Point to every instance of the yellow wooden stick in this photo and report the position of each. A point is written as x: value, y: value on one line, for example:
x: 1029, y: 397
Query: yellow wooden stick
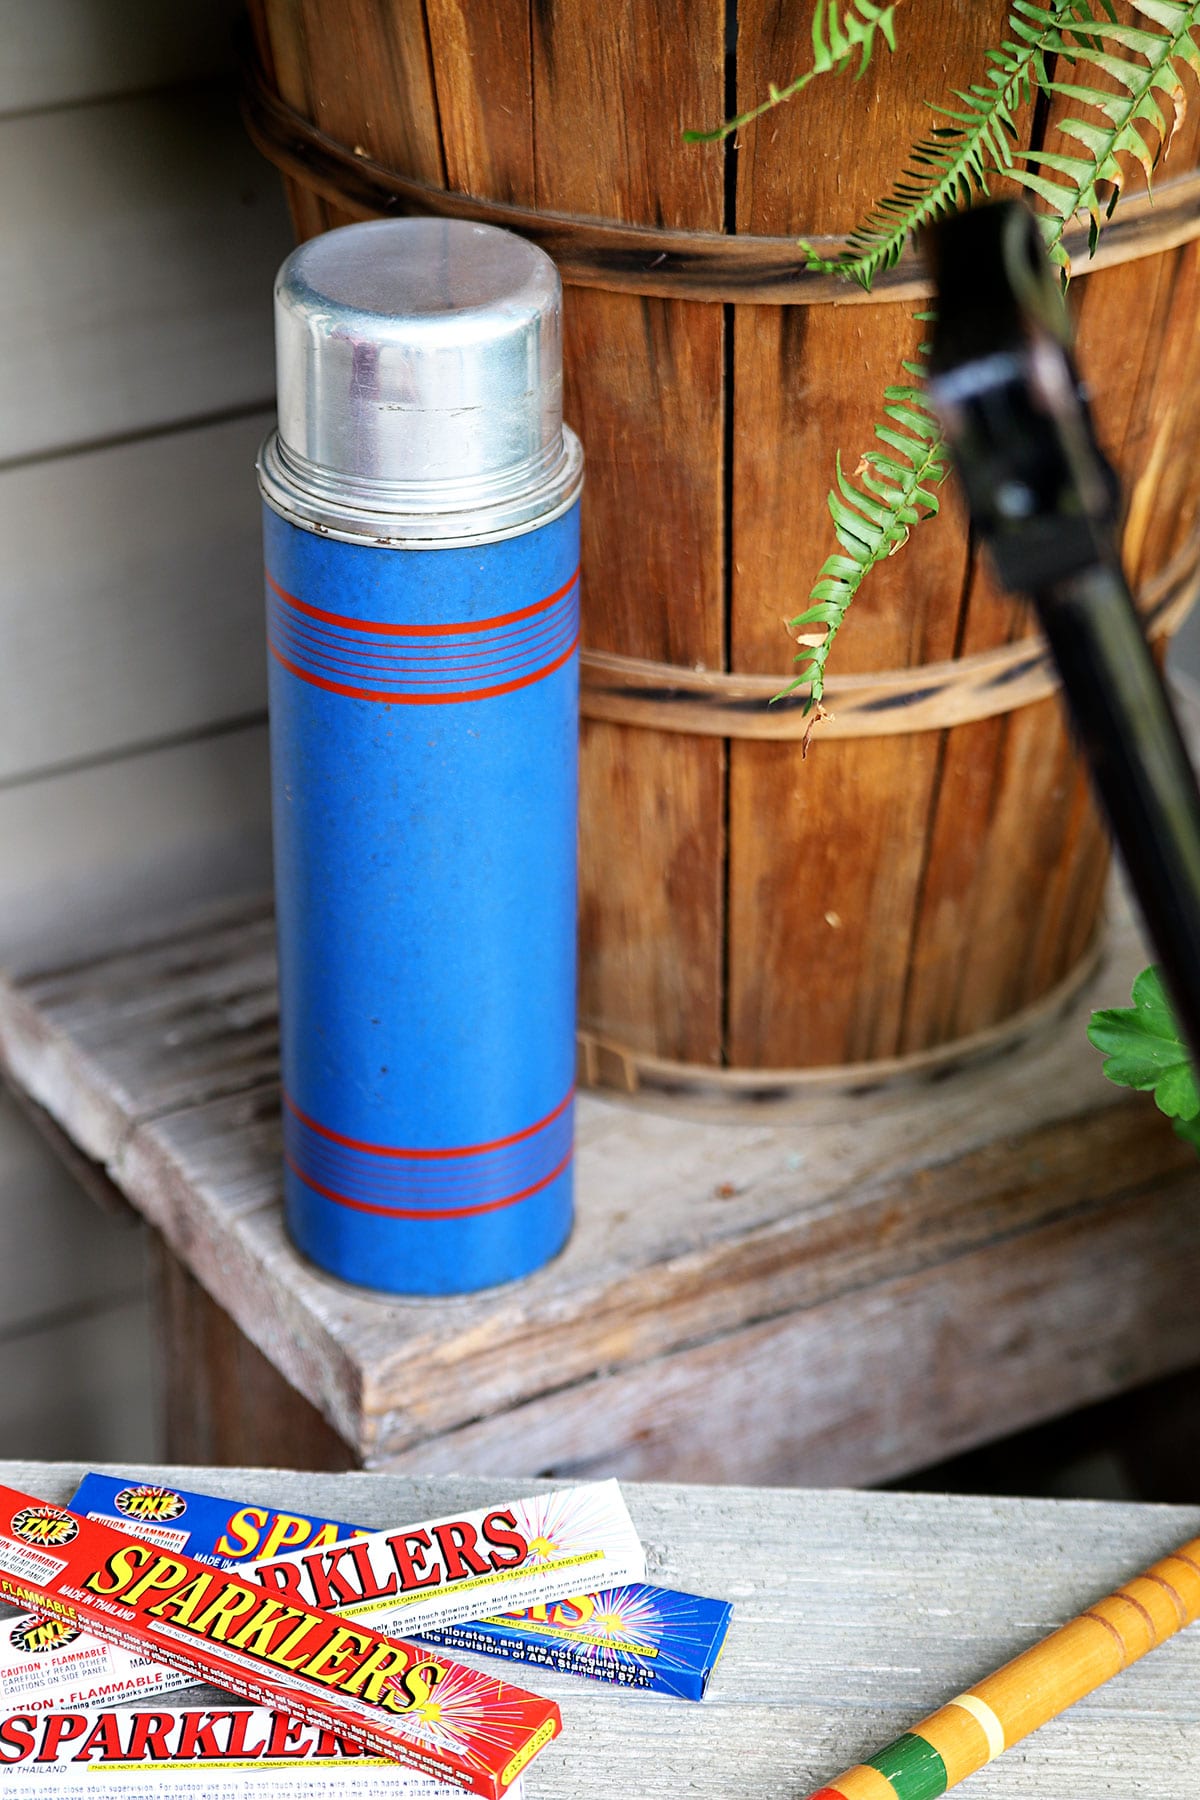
x: 1037, y: 1685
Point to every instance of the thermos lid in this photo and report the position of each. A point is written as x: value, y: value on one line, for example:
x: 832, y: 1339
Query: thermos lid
x: 419, y: 369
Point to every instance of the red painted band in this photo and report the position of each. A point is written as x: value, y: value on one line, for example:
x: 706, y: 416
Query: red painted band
x: 399, y: 1183
x: 515, y: 1137
x: 828, y: 1793
x: 348, y: 624
x: 447, y: 1212
x: 497, y: 659
x: 303, y: 638
x: 489, y: 693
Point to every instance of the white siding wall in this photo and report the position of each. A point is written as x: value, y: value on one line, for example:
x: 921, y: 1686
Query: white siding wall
x: 138, y: 237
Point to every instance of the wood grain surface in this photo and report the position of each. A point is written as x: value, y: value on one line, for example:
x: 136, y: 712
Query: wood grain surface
x: 93, y: 847
x: 242, y: 1407
x: 854, y: 1615
x: 139, y: 236
x: 643, y: 387
x: 842, y: 1288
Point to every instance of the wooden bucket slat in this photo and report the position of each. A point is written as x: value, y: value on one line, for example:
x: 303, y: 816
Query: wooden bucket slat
x: 827, y: 856
x: 643, y: 381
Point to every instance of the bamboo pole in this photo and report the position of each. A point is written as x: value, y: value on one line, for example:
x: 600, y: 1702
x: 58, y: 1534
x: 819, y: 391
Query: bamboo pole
x: 1036, y: 1686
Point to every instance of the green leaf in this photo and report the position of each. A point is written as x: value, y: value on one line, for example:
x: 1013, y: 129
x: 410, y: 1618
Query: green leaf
x: 840, y: 35
x: 974, y: 135
x: 1189, y: 1131
x: 1142, y: 1049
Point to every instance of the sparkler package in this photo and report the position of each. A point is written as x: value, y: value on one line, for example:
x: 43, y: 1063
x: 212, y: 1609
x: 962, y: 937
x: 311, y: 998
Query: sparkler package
x: 395, y: 1698
x: 495, y: 1559
x: 637, y: 1636
x: 221, y: 1532
x: 206, y: 1751
x: 46, y: 1662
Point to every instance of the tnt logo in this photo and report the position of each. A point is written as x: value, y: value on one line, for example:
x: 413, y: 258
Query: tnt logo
x: 147, y: 1502
x: 38, y: 1634
x: 44, y: 1525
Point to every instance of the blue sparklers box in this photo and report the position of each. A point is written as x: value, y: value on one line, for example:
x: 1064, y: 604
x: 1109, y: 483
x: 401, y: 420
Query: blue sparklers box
x: 222, y: 1532
x: 636, y: 1636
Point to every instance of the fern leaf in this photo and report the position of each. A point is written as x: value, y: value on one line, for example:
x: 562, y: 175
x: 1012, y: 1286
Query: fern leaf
x: 1134, y: 126
x: 840, y: 34
x: 951, y: 165
x: 870, y: 522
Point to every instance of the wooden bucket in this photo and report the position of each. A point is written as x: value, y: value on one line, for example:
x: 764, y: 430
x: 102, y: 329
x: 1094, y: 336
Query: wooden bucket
x: 926, y: 883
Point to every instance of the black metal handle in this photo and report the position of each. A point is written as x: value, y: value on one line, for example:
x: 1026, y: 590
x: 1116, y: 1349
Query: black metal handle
x: 1044, y: 501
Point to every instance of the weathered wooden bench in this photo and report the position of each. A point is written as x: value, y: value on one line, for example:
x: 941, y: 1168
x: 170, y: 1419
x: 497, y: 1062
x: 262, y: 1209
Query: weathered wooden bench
x: 854, y: 1616
x: 834, y: 1291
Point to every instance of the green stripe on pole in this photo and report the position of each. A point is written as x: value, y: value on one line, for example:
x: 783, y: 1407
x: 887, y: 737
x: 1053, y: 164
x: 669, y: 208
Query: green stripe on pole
x: 913, y: 1767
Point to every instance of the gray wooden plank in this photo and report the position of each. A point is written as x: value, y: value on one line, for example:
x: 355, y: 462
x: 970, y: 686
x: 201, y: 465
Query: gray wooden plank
x: 54, y: 52
x: 885, y: 1378
x: 131, y: 595
x: 855, y: 1614
x: 692, y: 1234
x: 85, y: 1386
x: 58, y: 1251
x: 209, y: 1006
x: 660, y: 1324
x: 138, y: 244
x: 96, y: 847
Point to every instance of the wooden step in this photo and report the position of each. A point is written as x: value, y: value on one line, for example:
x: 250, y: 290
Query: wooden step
x: 833, y: 1291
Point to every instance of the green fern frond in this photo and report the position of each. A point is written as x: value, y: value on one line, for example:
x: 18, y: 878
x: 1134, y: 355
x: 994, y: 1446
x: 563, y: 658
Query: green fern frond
x: 873, y: 521
x: 1132, y: 123
x: 1147, y: 66
x: 951, y: 165
x: 839, y: 35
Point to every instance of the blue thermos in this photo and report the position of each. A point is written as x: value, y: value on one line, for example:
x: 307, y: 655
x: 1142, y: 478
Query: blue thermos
x: 422, y: 580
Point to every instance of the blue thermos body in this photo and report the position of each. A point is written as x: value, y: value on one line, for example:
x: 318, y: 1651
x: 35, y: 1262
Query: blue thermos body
x: 421, y: 522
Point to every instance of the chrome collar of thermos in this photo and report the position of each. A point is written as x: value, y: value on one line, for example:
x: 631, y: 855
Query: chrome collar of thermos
x: 419, y: 373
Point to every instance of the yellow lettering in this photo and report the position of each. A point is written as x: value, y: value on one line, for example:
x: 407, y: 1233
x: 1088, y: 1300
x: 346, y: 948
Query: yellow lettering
x: 337, y: 1658
x: 165, y: 1572
x: 182, y: 1604
x: 575, y: 1611
x: 256, y: 1634
x: 371, y: 1675
x: 230, y: 1604
x: 242, y: 1532
x: 285, y: 1534
x: 332, y: 1534
x: 418, y: 1684
x: 121, y: 1567
x: 294, y: 1641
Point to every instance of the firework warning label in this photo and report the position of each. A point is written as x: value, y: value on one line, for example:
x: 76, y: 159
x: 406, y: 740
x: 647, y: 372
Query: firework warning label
x: 46, y: 1663
x: 162, y: 1535
x: 26, y: 1564
x: 225, y: 1533
x: 495, y: 1559
x: 399, y: 1699
x: 209, y: 1752
x: 635, y: 1636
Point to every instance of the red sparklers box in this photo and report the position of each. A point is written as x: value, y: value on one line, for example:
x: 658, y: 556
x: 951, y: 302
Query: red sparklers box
x: 400, y: 1699
x: 199, y: 1751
